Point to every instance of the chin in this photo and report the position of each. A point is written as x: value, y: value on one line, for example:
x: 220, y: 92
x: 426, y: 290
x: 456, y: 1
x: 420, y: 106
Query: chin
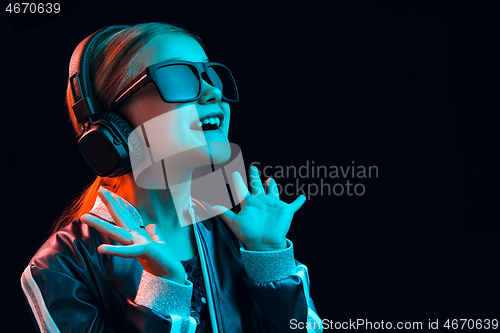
x: 213, y: 152
x: 220, y: 152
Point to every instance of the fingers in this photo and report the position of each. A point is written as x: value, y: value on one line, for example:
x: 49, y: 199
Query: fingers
x: 118, y: 234
x: 155, y: 233
x: 114, y: 204
x: 119, y: 201
x: 131, y: 251
x: 255, y: 182
x: 295, y: 206
x: 241, y: 189
x: 272, y: 188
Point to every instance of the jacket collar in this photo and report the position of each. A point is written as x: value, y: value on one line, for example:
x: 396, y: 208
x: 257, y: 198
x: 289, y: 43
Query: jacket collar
x: 100, y: 210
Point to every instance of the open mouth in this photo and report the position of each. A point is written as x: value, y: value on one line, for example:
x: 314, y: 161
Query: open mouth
x: 210, y: 122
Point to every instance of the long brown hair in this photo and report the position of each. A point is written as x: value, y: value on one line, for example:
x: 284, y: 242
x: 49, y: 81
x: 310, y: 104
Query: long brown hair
x: 114, y: 62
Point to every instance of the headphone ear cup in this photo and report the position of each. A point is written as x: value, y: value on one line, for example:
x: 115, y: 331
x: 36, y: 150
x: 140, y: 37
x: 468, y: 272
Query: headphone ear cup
x: 105, y: 146
x: 135, y: 152
x: 120, y: 125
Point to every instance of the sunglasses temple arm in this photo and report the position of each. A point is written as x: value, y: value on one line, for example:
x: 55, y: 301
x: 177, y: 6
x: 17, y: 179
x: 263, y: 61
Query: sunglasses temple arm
x: 136, y: 84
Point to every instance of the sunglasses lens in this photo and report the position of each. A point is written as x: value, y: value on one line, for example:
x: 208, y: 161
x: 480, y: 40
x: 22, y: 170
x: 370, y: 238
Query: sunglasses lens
x: 178, y: 83
x: 221, y: 78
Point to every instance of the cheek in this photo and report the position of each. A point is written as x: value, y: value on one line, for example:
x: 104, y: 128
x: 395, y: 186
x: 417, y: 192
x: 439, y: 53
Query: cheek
x: 227, y: 114
x: 145, y: 105
x: 169, y: 134
x: 166, y: 135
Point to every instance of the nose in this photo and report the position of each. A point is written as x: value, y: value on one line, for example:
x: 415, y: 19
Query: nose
x: 209, y: 94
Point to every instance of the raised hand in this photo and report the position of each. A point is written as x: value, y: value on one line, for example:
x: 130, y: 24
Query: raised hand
x: 264, y: 220
x: 147, y: 245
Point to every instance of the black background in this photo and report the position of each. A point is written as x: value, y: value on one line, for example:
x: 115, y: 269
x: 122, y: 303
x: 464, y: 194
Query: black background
x: 406, y: 86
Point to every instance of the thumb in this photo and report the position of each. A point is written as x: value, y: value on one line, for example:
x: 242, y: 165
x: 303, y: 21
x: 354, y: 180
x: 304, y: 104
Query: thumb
x: 224, y: 213
x: 155, y: 233
x: 298, y: 203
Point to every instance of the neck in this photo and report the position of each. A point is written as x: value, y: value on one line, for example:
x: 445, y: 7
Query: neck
x: 165, y: 207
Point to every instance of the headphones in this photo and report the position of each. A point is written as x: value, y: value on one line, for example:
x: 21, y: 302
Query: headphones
x: 104, y: 142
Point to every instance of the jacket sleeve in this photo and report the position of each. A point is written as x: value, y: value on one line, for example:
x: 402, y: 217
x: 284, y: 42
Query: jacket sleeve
x: 66, y: 294
x: 60, y: 303
x: 169, y: 299
x: 279, y: 287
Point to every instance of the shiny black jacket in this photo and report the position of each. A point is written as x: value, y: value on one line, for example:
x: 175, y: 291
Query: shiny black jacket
x: 71, y: 287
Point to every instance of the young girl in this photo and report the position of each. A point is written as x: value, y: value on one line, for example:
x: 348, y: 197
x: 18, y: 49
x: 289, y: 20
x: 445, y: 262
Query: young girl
x: 126, y: 257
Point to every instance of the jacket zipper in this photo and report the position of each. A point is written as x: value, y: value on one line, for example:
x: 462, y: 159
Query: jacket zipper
x: 204, y: 269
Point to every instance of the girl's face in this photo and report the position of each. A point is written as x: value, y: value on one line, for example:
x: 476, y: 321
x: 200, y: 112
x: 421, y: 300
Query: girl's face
x: 175, y: 124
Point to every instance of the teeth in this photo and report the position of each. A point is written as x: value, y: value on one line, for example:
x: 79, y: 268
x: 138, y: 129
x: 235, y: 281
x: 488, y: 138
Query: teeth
x: 213, y: 121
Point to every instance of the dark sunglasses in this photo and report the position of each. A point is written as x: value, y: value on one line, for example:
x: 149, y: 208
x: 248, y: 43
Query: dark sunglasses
x: 181, y: 81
